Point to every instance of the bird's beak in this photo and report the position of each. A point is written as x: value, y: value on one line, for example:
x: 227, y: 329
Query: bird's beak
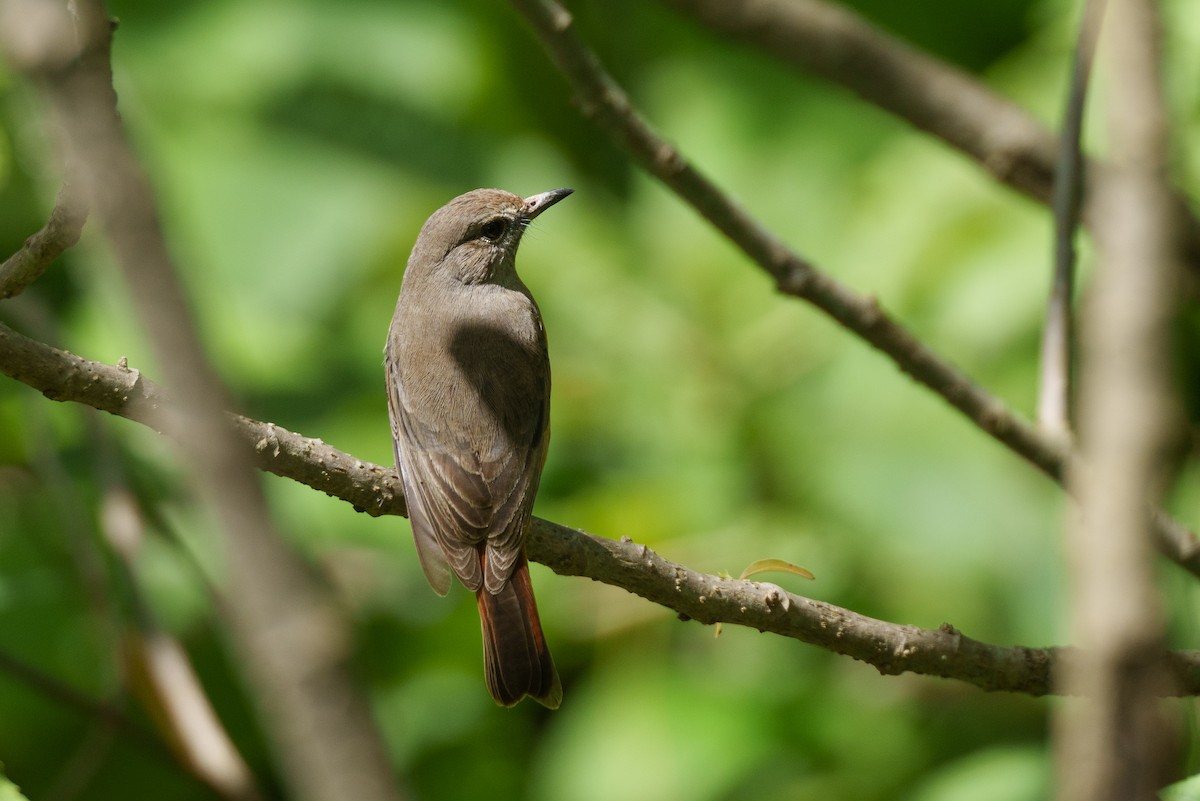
x: 536, y: 204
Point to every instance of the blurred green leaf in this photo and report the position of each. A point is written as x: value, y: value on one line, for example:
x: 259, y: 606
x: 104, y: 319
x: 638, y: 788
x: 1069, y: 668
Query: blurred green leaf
x: 994, y: 774
x: 1185, y: 790
x: 8, y: 790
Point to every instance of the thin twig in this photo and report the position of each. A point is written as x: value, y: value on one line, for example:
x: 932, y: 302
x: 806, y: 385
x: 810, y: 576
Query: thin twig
x: 104, y: 715
x: 126, y: 392
x: 1054, y: 390
x: 200, y: 746
x: 67, y: 696
x: 60, y: 232
x: 605, y: 102
x: 834, y: 43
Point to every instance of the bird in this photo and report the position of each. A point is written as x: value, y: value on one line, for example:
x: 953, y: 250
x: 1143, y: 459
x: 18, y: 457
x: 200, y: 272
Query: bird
x: 468, y: 379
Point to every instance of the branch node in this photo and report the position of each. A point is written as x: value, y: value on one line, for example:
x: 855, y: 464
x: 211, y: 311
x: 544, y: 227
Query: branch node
x: 560, y: 19
x: 795, y: 278
x: 776, y: 597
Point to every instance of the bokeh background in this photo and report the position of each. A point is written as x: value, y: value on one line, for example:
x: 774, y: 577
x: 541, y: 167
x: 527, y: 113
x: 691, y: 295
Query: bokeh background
x: 297, y: 146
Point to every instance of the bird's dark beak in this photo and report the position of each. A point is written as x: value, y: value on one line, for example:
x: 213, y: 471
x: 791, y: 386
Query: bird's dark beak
x: 536, y: 204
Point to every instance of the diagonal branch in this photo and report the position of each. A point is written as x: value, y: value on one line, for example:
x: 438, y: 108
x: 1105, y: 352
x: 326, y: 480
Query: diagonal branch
x: 125, y: 392
x: 840, y: 46
x: 889, y: 647
x: 607, y: 104
x: 375, y: 490
x: 66, y: 696
x: 60, y: 232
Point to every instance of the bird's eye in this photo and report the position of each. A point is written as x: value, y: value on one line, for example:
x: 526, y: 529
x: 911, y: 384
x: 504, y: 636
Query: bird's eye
x: 493, y: 229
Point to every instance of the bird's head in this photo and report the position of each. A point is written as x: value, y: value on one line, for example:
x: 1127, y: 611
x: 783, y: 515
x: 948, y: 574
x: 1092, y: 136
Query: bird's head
x: 473, y: 239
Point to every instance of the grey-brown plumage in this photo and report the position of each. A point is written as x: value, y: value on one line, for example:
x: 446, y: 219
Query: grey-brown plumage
x: 469, y: 397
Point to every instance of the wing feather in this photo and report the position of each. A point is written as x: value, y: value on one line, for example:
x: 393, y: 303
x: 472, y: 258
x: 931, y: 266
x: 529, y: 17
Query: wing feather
x: 464, y: 498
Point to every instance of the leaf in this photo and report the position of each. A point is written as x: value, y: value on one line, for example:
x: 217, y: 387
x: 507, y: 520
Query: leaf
x: 1185, y: 790
x: 9, y: 791
x: 766, y: 566
x: 777, y: 565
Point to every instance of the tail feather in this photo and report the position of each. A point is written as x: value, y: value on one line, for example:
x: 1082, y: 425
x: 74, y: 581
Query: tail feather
x: 516, y: 658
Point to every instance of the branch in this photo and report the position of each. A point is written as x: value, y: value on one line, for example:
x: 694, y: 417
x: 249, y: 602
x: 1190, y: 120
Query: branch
x: 1054, y: 390
x: 125, y: 392
x: 68, y: 697
x: 840, y: 46
x: 45, y: 41
x: 60, y: 232
x: 1129, y: 419
x: 290, y: 637
x: 375, y: 490
x: 607, y: 104
x: 890, y: 648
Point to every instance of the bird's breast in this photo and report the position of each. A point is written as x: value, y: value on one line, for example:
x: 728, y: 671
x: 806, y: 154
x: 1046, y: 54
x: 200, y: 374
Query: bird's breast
x: 477, y: 368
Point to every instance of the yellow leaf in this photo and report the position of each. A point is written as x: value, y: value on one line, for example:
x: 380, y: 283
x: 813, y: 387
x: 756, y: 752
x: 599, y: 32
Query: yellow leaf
x: 766, y: 566
x: 775, y: 565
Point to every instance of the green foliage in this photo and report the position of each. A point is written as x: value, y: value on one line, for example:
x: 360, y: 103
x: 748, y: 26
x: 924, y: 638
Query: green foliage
x: 297, y: 148
x: 1186, y: 790
x: 9, y: 791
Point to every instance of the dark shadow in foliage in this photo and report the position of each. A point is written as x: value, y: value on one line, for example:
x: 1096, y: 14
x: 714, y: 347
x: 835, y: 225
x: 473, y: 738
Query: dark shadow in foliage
x: 344, y: 116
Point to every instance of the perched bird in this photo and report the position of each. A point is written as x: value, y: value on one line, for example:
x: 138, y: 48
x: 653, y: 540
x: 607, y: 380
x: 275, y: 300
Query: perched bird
x: 468, y: 380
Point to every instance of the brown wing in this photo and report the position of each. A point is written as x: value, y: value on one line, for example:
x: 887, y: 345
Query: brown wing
x: 470, y: 443
x: 416, y: 494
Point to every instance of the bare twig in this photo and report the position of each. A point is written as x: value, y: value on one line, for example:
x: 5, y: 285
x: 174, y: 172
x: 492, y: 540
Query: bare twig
x: 67, y: 696
x: 78, y: 770
x: 105, y: 715
x: 889, y: 647
x: 34, y: 35
x: 60, y: 232
x: 1054, y: 391
x: 163, y: 677
x: 126, y: 392
x: 292, y: 641
x: 833, y: 42
x: 606, y: 103
x: 375, y: 490
x: 836, y: 44
x: 1129, y: 419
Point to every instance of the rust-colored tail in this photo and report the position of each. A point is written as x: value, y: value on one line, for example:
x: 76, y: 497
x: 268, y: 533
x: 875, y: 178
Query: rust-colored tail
x: 515, y: 655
